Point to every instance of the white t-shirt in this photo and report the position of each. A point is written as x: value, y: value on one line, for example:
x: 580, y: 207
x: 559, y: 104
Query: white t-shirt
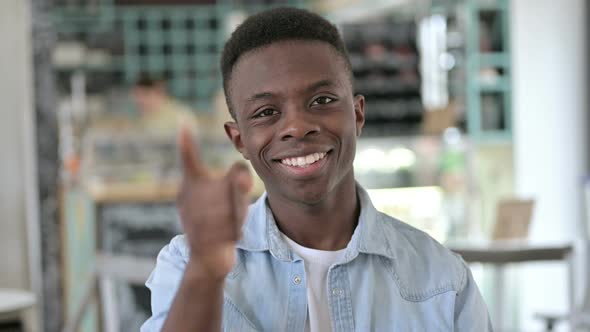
x: 317, y: 263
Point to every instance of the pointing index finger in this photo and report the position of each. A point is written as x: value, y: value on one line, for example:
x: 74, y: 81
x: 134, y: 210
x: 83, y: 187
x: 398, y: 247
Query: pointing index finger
x: 189, y: 155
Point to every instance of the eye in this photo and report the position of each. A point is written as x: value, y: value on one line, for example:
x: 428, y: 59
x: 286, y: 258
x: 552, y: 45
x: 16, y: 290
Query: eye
x: 265, y: 112
x: 322, y: 101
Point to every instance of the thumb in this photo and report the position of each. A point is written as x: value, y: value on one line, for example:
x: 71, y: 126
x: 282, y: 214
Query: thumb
x: 189, y: 154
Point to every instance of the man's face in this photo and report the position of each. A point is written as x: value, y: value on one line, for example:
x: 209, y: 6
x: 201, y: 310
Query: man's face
x: 148, y: 98
x: 297, y: 118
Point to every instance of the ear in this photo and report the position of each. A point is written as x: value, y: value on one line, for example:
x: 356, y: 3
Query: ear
x: 233, y: 133
x: 359, y: 113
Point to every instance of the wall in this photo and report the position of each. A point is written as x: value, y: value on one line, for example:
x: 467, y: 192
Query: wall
x: 20, y: 265
x: 550, y: 128
x: 15, y: 93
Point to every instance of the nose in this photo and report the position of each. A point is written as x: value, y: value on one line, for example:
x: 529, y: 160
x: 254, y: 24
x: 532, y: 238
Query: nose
x: 297, y: 123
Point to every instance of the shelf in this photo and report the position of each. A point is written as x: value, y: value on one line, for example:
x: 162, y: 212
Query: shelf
x: 133, y: 192
x: 393, y: 110
x: 360, y: 10
x: 91, y: 68
x: 387, y: 87
x: 501, y: 84
x: 491, y: 5
x: 492, y: 137
x: 111, y: 64
x: 182, y: 43
x: 496, y: 60
x: 488, y: 72
x: 361, y: 64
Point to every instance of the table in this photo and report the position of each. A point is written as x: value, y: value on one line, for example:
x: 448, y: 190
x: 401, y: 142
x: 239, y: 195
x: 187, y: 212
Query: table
x: 501, y: 253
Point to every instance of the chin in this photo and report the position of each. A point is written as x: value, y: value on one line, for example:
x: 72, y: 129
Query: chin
x: 312, y: 197
x: 309, y: 194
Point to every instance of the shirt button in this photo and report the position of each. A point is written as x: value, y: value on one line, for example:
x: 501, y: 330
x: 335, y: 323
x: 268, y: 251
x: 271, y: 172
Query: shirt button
x: 337, y: 291
x: 297, y: 280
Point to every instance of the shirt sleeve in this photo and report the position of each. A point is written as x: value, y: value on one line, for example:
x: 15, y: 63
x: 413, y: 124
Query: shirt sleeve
x: 471, y: 312
x: 164, y: 282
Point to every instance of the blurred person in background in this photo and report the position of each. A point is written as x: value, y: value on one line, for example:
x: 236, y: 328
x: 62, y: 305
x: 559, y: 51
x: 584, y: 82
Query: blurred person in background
x: 159, y: 112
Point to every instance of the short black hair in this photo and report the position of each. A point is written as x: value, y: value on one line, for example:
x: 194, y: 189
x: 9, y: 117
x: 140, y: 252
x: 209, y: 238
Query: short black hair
x: 276, y: 25
x: 147, y: 80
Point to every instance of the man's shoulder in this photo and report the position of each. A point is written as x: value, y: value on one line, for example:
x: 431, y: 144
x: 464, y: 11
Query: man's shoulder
x: 422, y: 266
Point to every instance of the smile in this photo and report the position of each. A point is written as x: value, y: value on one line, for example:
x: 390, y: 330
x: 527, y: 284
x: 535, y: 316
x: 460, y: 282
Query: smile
x: 304, y: 161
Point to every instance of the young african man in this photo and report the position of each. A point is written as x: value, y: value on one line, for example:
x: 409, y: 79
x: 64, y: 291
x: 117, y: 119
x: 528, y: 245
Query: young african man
x: 312, y: 254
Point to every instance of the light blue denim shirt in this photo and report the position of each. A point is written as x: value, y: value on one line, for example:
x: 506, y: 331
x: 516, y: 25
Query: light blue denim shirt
x: 392, y: 277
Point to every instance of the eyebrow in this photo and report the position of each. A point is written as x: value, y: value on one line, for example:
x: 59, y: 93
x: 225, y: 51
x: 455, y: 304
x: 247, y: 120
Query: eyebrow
x: 320, y: 84
x: 317, y: 85
x: 261, y: 95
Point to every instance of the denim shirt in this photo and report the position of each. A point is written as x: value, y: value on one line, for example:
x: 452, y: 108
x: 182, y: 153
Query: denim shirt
x: 392, y: 277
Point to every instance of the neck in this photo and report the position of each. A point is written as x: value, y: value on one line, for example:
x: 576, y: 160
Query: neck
x: 326, y: 225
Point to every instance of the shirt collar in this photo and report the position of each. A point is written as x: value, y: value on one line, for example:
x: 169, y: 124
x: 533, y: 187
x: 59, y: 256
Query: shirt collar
x: 260, y: 232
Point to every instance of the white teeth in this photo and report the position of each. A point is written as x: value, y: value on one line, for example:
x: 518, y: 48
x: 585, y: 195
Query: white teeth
x: 304, y: 161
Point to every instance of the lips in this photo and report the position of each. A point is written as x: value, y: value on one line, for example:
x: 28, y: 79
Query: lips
x: 305, y: 164
x: 303, y: 161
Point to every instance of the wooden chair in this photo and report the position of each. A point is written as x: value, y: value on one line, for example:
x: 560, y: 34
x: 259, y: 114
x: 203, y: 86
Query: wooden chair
x: 109, y: 269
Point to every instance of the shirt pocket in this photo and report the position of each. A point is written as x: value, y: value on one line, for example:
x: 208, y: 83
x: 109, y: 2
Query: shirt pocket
x: 435, y: 314
x: 234, y: 320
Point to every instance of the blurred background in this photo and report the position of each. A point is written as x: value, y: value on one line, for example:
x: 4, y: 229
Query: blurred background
x: 477, y: 132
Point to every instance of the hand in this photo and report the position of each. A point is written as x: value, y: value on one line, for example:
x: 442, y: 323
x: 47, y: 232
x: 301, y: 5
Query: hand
x: 212, y: 211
